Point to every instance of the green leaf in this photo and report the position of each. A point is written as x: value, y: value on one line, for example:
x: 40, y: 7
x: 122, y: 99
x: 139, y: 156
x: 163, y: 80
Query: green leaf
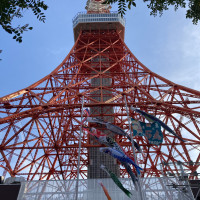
x: 8, y: 31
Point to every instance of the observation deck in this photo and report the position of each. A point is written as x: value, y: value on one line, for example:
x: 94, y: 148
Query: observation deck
x: 98, y: 21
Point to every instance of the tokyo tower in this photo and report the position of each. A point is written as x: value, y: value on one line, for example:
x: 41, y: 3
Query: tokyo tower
x: 40, y: 124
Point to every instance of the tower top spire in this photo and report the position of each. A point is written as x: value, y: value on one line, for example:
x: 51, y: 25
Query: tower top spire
x: 96, y: 6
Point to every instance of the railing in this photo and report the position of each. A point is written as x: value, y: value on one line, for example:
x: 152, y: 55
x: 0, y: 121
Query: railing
x: 89, y: 189
x: 97, y: 17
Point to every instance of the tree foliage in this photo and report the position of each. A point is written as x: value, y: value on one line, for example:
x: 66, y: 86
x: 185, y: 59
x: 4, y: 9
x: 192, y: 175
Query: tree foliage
x: 12, y: 9
x: 159, y: 6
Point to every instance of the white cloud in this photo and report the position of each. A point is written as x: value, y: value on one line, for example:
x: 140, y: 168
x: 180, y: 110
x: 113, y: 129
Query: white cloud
x: 188, y: 57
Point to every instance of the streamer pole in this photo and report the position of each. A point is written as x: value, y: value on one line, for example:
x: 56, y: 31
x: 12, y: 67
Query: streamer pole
x: 79, y: 151
x: 134, y: 154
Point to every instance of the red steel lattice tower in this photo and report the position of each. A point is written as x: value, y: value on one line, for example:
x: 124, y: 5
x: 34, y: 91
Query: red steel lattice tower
x: 40, y: 124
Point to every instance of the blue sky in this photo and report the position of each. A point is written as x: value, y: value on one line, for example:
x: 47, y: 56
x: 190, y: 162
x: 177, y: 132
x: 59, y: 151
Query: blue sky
x: 168, y: 45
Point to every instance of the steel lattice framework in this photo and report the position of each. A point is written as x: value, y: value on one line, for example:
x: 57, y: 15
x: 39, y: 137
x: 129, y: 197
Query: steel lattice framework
x: 40, y: 125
